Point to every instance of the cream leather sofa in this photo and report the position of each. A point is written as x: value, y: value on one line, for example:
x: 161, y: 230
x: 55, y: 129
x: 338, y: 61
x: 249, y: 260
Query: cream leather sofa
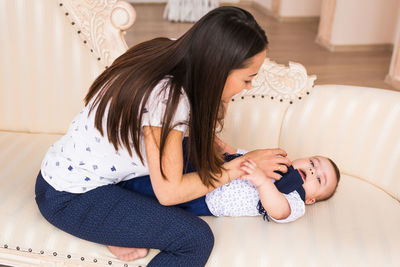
x: 50, y: 52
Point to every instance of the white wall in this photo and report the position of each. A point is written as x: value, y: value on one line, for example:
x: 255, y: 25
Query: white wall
x: 363, y: 22
x: 147, y: 1
x: 164, y: 1
x: 300, y: 8
x: 264, y: 3
x: 293, y: 8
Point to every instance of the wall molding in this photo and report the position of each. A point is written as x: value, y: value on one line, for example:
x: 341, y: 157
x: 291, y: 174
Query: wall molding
x: 392, y: 81
x: 353, y: 48
x: 324, y: 35
x: 393, y: 78
x: 297, y: 19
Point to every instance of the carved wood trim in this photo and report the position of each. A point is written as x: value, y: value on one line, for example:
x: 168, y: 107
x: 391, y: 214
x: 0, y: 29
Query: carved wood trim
x: 281, y: 83
x: 100, y: 25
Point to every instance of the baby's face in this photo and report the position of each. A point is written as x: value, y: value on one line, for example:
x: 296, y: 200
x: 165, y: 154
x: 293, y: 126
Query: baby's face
x: 318, y: 175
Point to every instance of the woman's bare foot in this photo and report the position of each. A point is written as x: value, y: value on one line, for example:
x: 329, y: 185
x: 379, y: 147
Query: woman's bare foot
x: 128, y: 254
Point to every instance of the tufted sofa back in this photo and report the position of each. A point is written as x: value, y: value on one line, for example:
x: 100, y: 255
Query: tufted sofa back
x: 357, y: 127
x: 50, y: 53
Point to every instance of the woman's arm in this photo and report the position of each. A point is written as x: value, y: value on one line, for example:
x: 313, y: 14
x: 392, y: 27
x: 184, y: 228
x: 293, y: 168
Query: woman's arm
x: 178, y: 188
x: 273, y: 201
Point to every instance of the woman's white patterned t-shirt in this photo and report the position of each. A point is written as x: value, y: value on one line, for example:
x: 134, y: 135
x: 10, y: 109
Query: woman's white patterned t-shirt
x: 83, y: 159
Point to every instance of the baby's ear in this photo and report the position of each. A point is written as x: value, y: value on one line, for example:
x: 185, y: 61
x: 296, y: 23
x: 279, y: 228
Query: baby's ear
x: 310, y: 201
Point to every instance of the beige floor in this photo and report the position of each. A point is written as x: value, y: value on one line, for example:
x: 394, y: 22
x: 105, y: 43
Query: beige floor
x: 289, y: 41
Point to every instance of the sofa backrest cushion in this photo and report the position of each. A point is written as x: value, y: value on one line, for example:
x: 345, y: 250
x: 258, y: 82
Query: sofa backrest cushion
x: 242, y: 127
x: 357, y: 127
x: 46, y: 59
x: 274, y: 89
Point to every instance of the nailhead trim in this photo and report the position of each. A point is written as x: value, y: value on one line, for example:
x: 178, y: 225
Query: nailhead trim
x: 82, y: 258
x: 68, y: 256
x: 94, y: 260
x: 5, y: 246
x: 18, y: 248
x: 109, y: 262
x: 42, y: 252
x: 54, y: 254
x: 79, y: 31
x: 262, y: 96
x: 30, y: 250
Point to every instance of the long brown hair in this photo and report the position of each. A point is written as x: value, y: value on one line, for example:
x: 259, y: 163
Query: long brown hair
x: 199, y: 63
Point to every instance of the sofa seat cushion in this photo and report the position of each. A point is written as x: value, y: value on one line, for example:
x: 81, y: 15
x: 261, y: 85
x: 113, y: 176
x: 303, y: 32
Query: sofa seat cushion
x: 358, y: 226
x: 26, y: 238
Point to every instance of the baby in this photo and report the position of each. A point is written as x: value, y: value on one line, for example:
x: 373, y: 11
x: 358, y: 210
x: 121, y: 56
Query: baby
x: 307, y: 181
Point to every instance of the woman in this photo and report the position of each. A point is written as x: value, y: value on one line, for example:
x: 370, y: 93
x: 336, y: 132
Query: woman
x: 133, y: 123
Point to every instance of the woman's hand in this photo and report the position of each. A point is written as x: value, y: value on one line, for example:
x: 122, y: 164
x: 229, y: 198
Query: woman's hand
x: 270, y: 160
x: 253, y: 174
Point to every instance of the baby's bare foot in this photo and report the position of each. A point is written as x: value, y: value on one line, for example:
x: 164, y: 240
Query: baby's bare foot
x: 128, y: 254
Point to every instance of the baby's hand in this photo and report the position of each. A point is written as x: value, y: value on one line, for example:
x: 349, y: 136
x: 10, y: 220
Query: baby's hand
x: 253, y: 174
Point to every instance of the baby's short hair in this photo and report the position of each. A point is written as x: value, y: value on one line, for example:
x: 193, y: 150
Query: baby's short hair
x: 337, y: 174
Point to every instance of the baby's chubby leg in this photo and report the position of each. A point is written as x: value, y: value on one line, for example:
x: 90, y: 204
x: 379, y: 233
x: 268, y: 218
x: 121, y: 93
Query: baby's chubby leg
x: 128, y: 254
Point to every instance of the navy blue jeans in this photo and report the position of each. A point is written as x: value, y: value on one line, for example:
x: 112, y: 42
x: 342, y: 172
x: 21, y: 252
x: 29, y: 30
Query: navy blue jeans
x: 116, y: 216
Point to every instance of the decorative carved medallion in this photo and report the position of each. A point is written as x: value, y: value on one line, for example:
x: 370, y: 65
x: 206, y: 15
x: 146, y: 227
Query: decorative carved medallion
x: 280, y: 82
